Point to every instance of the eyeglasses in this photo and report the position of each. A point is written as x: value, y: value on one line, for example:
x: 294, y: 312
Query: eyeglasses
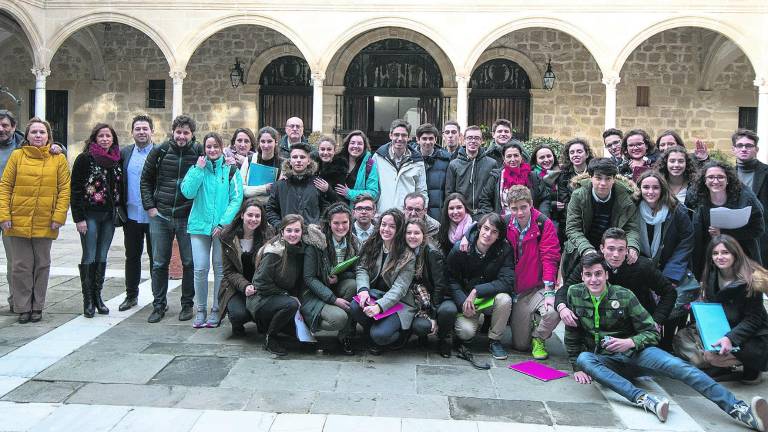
x: 744, y: 146
x: 364, y: 209
x: 641, y: 144
x: 612, y: 144
x: 712, y: 178
x: 472, y: 138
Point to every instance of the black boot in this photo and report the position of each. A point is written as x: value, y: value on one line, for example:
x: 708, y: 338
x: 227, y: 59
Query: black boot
x: 98, y: 284
x: 86, y: 281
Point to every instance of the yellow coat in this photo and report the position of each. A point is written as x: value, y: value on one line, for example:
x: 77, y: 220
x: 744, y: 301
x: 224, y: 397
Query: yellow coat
x: 34, y: 192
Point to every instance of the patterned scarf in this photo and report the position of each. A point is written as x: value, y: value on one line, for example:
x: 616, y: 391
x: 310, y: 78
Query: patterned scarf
x: 105, y: 158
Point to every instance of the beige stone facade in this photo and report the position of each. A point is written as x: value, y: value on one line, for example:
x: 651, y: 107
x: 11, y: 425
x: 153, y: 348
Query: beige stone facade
x: 701, y: 62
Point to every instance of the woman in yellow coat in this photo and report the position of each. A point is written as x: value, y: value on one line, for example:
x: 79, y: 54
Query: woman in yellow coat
x: 34, y: 197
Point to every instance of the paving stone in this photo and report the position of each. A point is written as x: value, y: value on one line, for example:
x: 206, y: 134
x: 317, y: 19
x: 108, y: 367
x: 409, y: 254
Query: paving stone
x: 343, y: 403
x: 234, y: 421
x: 281, y: 401
x: 21, y: 417
x: 106, y: 368
x: 166, y: 420
x: 453, y: 381
x: 519, y: 411
x: 344, y: 423
x: 366, y: 378
x: 283, y: 374
x: 432, y: 425
x: 416, y: 406
x: 194, y: 371
x: 298, y: 423
x: 42, y: 391
x: 5, y: 349
x: 583, y: 414
x: 511, y: 384
x: 707, y: 414
x: 20, y: 334
x: 81, y: 418
x: 129, y: 395
x: 215, y: 398
x: 181, y: 349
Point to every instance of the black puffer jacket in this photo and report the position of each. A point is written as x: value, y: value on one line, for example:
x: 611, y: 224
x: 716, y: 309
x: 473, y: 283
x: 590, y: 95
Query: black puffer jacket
x: 436, y: 166
x: 334, y: 172
x: 165, y: 168
x: 296, y: 194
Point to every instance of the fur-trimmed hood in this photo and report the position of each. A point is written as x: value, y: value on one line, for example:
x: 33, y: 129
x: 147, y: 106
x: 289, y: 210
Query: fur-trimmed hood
x: 289, y: 174
x: 760, y: 281
x: 334, y: 171
x: 312, y: 236
x: 583, y: 179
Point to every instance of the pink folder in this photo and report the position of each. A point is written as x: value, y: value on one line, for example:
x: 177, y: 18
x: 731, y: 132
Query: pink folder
x: 384, y: 314
x: 538, y: 370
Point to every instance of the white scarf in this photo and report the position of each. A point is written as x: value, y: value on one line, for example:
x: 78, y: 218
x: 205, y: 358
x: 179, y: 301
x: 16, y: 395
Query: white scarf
x: 647, y: 217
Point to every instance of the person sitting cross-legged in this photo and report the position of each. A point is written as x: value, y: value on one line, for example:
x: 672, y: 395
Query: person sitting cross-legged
x: 614, y: 340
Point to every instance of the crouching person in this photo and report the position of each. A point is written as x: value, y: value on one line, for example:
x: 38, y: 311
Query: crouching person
x: 614, y: 340
x: 485, y: 271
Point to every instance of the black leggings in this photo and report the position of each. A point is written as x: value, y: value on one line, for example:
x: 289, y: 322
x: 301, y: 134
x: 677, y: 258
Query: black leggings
x: 238, y: 314
x: 276, y: 313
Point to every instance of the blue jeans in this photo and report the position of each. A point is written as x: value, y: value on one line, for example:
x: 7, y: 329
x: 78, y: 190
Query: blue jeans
x: 98, y: 238
x: 383, y: 332
x: 204, y: 250
x: 161, y: 232
x: 610, y: 370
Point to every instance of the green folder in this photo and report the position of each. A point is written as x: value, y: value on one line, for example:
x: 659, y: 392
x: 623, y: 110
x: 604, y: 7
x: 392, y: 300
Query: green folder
x: 480, y: 304
x: 340, y: 267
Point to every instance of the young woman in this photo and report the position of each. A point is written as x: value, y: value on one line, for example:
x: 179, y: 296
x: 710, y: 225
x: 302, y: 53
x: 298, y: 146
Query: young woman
x: 576, y: 156
x: 679, y: 170
x: 362, y: 176
x: 217, y: 191
x: 34, y: 197
x: 384, y: 275
x: 436, y: 311
x: 266, y: 154
x: 279, y: 280
x: 544, y: 164
x: 332, y: 168
x: 639, y: 153
x: 326, y: 300
x: 718, y: 186
x: 455, y: 222
x: 515, y: 171
x: 737, y: 282
x: 667, y: 139
x: 240, y: 149
x: 240, y: 241
x: 97, y: 177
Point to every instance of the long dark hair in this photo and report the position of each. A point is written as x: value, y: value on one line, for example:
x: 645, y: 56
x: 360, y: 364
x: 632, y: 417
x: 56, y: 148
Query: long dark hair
x: 369, y: 255
x: 94, y: 133
x: 743, y: 266
x: 269, y: 130
x: 235, y: 229
x: 665, y: 195
x: 567, y: 160
x: 689, y: 174
x: 352, y: 243
x: 284, y: 222
x: 344, y: 150
x: 445, y: 221
x: 421, y: 256
x: 732, y: 188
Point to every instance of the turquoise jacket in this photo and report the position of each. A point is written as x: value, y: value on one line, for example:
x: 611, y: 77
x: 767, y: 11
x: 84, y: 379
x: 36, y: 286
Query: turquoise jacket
x: 217, y: 196
x: 366, y: 185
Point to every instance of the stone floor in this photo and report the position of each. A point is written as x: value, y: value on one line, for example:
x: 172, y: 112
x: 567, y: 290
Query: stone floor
x: 118, y: 372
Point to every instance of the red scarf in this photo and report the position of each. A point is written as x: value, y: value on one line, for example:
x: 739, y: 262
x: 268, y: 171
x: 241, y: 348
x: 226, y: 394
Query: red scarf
x: 105, y: 158
x: 515, y: 176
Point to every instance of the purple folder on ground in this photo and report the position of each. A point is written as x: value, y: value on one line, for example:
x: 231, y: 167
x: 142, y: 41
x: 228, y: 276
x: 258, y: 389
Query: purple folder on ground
x: 384, y: 314
x: 538, y: 370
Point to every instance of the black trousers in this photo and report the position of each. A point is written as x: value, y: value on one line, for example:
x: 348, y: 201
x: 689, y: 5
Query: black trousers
x: 238, y: 314
x: 135, y: 235
x: 276, y: 313
x: 446, y: 318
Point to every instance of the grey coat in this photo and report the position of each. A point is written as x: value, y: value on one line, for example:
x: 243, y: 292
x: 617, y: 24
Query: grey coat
x: 399, y: 283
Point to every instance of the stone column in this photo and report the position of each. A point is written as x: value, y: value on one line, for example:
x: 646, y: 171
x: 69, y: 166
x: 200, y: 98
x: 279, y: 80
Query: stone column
x: 178, y: 83
x: 462, y: 101
x: 610, y: 83
x: 762, y: 116
x: 317, y: 102
x: 40, y: 76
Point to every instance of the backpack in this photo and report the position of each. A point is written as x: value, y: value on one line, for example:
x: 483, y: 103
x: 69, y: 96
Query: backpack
x: 540, y: 219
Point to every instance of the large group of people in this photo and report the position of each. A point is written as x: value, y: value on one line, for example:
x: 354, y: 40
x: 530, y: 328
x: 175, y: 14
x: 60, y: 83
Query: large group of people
x: 446, y: 240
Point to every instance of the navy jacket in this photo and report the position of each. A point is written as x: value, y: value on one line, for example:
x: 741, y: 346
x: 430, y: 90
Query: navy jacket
x: 436, y: 166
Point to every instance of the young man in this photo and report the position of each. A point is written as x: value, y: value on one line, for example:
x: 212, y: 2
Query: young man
x: 642, y: 277
x: 470, y: 170
x: 10, y: 140
x: 502, y: 133
x: 451, y: 138
x: 414, y: 208
x: 294, y: 134
x: 485, y: 271
x: 612, y: 139
x: 753, y: 173
x: 436, y: 162
x: 598, y: 202
x: 363, y: 210
x: 614, y: 339
x: 536, y: 250
x: 168, y: 210
x: 401, y: 169
x: 296, y: 193
x: 136, y: 228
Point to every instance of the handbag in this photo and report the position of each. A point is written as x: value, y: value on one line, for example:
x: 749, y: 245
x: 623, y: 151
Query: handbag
x: 119, y: 218
x: 688, y: 290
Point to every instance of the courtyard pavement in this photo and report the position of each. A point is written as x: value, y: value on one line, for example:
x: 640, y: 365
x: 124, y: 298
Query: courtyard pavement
x: 118, y: 372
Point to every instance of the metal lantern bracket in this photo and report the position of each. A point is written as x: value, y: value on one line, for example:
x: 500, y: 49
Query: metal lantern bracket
x: 549, y: 76
x: 8, y: 91
x: 236, y: 74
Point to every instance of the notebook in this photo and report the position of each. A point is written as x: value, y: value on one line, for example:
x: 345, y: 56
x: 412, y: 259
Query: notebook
x: 537, y: 370
x: 710, y: 322
x: 259, y: 174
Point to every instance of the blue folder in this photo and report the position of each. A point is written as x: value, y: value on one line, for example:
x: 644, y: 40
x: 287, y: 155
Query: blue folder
x: 710, y: 322
x: 259, y: 174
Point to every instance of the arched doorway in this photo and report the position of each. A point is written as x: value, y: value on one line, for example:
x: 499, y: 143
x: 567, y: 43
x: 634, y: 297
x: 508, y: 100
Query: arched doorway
x: 286, y: 91
x: 500, y: 88
x: 390, y: 79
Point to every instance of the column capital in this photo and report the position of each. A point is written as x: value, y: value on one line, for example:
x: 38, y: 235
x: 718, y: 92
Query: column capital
x: 317, y: 78
x: 40, y: 73
x: 462, y: 79
x: 178, y: 76
x: 611, y: 80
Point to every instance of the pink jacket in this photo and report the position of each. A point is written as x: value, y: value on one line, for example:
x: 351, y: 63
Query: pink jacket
x: 539, y: 260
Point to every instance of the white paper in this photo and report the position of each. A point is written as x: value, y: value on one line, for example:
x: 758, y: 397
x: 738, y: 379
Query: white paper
x: 302, y: 331
x: 725, y: 218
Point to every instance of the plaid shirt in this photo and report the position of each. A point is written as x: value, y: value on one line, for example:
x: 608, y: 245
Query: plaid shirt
x: 620, y: 315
